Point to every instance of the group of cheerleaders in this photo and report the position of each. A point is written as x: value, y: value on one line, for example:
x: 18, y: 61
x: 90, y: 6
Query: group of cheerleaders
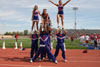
x: 44, y: 32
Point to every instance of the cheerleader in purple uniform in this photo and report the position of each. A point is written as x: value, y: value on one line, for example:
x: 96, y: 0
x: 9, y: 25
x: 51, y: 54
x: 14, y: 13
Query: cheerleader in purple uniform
x: 46, y: 21
x: 60, y: 11
x: 44, y: 46
x: 49, y: 30
x: 35, y: 17
x: 60, y: 43
x: 34, y: 45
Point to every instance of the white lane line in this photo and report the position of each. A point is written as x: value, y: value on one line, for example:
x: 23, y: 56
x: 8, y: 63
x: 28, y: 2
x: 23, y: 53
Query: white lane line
x: 13, y: 65
x: 85, y: 61
x: 83, y: 57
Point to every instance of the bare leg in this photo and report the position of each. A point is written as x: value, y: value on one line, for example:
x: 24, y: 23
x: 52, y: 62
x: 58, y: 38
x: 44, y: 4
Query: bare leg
x: 62, y: 20
x: 58, y: 20
x: 40, y: 29
x: 44, y: 24
x: 33, y: 25
x: 37, y: 24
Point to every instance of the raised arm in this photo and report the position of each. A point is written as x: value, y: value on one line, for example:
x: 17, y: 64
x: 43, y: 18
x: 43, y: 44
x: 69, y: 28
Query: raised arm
x: 57, y: 31
x: 65, y: 32
x: 47, y: 18
x: 30, y: 36
x: 53, y: 3
x: 66, y: 2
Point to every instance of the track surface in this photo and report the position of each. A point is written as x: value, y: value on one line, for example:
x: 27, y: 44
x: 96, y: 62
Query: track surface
x: 17, y: 58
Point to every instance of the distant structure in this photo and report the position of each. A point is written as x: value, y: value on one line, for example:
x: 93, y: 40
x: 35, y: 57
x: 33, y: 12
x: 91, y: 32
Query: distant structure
x: 75, y: 9
x: 6, y: 37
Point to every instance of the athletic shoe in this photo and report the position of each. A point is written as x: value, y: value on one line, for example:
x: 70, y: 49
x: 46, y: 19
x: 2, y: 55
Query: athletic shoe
x: 65, y: 60
x: 40, y: 59
x: 31, y: 60
x: 62, y: 28
x: 31, y: 32
x: 56, y: 62
x: 50, y: 60
x: 37, y: 59
x: 44, y: 58
x: 58, y: 27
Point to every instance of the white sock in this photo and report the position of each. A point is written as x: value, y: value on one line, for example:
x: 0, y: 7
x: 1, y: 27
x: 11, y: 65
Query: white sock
x: 58, y: 25
x: 31, y: 32
x: 62, y: 26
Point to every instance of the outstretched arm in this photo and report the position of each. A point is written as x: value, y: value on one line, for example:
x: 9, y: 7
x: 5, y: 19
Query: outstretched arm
x: 53, y: 3
x: 66, y: 2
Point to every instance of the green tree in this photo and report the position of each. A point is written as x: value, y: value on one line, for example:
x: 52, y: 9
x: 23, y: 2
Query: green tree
x: 25, y: 32
x: 7, y: 33
x: 14, y: 33
x: 20, y: 33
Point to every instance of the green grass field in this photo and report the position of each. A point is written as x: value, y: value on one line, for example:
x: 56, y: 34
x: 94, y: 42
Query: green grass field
x: 27, y: 43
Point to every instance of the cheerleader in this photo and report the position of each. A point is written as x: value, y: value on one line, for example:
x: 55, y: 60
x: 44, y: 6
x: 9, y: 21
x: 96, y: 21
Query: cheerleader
x: 35, y: 17
x: 60, y: 11
x: 60, y: 43
x: 45, y: 18
x: 34, y: 45
x: 44, y: 46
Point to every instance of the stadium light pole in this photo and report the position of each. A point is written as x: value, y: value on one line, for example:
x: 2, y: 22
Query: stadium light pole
x: 75, y: 9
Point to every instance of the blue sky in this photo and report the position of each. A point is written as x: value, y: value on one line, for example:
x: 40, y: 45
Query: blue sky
x: 15, y: 15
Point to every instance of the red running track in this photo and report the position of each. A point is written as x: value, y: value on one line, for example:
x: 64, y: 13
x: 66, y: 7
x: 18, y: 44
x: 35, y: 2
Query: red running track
x: 17, y: 58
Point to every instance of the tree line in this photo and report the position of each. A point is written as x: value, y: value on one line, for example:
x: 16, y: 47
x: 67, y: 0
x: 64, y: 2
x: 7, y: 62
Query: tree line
x: 25, y: 32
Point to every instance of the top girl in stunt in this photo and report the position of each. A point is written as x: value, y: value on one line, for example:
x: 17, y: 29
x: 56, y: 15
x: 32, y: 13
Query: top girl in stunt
x: 60, y: 11
x: 35, y: 17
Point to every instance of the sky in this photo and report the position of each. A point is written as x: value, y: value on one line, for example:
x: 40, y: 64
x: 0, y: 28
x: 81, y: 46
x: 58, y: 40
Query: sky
x: 15, y: 15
